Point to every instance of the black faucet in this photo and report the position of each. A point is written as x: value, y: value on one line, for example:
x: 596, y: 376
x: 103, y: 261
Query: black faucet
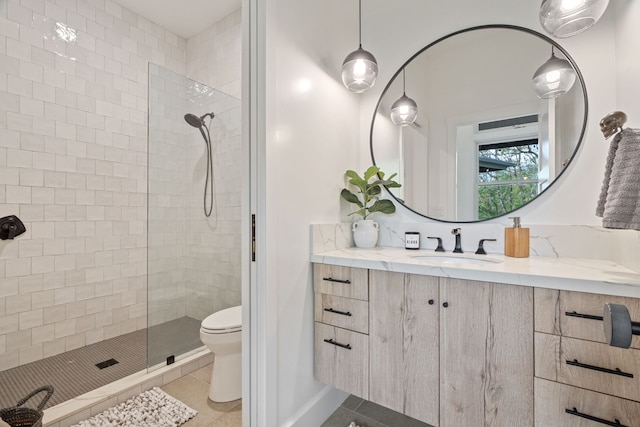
x: 439, y: 248
x: 458, y: 249
x: 481, y: 250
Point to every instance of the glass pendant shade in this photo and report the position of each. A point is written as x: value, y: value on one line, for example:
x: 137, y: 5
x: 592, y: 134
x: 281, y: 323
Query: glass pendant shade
x: 566, y: 18
x: 554, y: 78
x: 404, y: 111
x: 359, y: 70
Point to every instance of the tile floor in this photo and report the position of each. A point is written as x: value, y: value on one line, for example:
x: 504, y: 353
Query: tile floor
x: 74, y: 372
x: 193, y: 390
x: 368, y: 414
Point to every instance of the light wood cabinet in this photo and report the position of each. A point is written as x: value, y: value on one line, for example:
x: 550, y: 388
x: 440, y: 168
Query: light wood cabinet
x: 486, y: 354
x: 347, y: 313
x: 404, y: 334
x: 341, y: 327
x: 451, y: 352
x: 580, y: 380
x: 342, y: 359
x: 454, y: 352
x: 578, y: 314
x: 560, y: 405
x: 341, y: 281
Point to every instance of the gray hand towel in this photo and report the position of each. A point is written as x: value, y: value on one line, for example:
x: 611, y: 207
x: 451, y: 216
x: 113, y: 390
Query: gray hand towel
x: 619, y: 202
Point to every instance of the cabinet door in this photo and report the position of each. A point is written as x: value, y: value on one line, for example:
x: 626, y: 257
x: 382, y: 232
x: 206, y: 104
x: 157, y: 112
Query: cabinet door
x: 486, y: 354
x: 403, y: 340
x: 342, y: 359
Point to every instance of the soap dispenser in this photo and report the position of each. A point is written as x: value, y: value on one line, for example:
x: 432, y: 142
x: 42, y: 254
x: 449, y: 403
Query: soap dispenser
x: 516, y: 240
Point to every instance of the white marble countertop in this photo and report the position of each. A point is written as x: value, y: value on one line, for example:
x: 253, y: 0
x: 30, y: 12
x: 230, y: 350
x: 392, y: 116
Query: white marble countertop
x: 574, y: 274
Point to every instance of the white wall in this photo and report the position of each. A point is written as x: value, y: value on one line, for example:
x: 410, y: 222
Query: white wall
x: 315, y: 130
x: 312, y: 134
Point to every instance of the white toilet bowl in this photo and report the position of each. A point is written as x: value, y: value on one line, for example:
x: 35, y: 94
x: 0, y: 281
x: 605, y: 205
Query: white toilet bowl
x: 221, y: 332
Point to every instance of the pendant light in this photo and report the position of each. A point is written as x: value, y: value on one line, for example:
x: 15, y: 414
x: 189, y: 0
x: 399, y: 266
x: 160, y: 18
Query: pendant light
x: 566, y: 18
x: 405, y: 110
x: 554, y: 78
x: 359, y: 69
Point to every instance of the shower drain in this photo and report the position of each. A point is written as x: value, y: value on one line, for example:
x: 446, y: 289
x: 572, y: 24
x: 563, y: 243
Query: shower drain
x: 106, y: 363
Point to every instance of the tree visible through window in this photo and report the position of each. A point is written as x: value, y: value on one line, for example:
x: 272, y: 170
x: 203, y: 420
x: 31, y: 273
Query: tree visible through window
x: 507, y: 176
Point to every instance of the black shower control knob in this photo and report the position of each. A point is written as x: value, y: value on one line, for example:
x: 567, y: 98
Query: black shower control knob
x: 445, y: 304
x: 431, y: 302
x: 11, y: 227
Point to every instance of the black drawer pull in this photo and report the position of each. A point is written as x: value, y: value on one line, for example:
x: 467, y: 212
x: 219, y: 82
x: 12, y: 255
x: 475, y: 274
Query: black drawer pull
x: 583, y: 316
x: 616, y: 371
x: 592, y: 418
x: 331, y: 341
x: 343, y: 313
x: 331, y: 279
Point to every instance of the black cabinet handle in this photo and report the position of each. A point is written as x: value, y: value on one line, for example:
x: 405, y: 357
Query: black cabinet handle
x: 331, y: 279
x: 445, y: 304
x: 575, y: 412
x: 616, y: 371
x: 431, y: 302
x: 331, y: 341
x: 582, y: 316
x: 343, y: 313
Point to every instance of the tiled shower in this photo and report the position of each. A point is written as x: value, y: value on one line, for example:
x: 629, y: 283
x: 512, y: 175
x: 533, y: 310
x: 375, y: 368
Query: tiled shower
x: 193, y: 260
x: 74, y: 162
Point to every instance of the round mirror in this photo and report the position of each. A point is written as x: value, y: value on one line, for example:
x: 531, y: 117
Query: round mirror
x: 483, y: 144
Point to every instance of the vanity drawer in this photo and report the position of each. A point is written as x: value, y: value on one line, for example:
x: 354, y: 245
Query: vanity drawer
x: 570, y: 314
x: 347, y: 313
x: 591, y: 365
x: 554, y: 400
x: 342, y: 359
x: 342, y: 281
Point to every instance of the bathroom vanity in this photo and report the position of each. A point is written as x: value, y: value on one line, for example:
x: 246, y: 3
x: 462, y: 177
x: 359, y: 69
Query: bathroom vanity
x: 473, y: 341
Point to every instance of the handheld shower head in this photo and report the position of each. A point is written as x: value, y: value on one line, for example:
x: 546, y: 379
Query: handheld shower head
x: 198, y: 122
x: 195, y: 121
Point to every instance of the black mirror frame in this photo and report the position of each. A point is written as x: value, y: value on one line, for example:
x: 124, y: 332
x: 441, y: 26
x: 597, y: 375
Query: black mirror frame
x: 466, y: 30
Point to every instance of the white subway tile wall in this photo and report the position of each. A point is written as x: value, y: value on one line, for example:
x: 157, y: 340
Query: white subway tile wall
x: 73, y: 166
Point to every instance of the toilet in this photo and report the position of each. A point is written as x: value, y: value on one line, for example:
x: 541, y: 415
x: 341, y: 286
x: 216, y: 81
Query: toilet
x: 221, y: 332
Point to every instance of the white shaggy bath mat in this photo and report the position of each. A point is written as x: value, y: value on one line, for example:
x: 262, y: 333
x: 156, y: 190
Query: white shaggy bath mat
x: 152, y: 408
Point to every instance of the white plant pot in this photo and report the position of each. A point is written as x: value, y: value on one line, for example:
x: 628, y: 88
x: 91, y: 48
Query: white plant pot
x: 365, y: 233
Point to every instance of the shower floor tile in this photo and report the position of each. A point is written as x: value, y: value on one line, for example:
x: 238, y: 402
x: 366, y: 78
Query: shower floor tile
x: 74, y: 373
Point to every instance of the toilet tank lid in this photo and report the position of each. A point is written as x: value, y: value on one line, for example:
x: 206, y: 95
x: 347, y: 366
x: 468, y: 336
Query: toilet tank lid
x: 224, y: 319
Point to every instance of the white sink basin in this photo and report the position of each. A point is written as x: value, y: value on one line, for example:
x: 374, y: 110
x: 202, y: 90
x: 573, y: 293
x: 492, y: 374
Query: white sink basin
x: 452, y: 259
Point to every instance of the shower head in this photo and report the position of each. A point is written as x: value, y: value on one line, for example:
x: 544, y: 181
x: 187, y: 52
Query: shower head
x: 195, y: 121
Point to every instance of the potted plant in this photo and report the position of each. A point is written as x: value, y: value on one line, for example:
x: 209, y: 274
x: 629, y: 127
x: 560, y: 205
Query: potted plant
x: 365, y: 231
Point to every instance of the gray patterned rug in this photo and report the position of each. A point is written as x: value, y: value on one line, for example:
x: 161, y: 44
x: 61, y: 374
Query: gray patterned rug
x: 152, y: 408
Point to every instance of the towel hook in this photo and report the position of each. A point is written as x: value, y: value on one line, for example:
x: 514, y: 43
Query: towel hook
x: 612, y: 123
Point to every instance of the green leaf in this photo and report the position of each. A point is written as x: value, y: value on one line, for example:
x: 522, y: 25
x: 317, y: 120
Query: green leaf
x: 383, y: 206
x: 374, y: 191
x: 371, y: 172
x: 350, y: 197
x: 352, y: 174
x: 391, y: 184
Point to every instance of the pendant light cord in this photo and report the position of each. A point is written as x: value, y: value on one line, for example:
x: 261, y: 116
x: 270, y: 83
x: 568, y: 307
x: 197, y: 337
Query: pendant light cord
x: 360, y: 23
x: 404, y: 82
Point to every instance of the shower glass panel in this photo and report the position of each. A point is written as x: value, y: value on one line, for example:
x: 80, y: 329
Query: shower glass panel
x: 193, y: 261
